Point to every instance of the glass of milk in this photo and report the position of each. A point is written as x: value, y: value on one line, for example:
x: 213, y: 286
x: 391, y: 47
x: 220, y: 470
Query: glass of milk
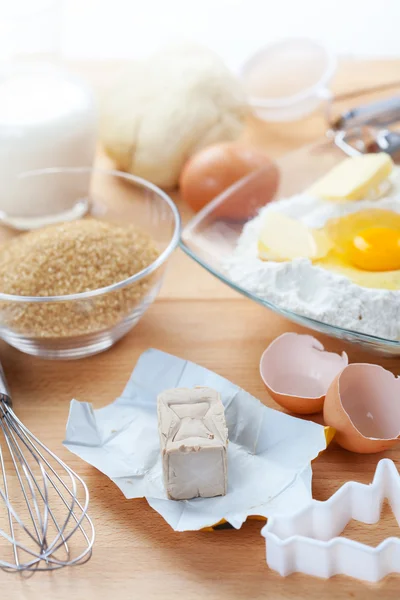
x: 47, y: 117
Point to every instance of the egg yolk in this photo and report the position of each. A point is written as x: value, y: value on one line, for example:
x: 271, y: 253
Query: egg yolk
x: 376, y: 249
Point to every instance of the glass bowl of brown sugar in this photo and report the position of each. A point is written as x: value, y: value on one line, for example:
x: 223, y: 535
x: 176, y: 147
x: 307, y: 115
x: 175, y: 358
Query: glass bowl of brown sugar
x: 71, y: 287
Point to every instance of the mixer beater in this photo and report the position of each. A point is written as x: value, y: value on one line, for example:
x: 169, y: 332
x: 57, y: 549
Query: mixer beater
x: 43, y: 503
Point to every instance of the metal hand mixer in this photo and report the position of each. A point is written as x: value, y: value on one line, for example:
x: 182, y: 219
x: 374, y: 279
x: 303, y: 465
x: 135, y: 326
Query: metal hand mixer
x: 365, y: 128
x: 43, y: 503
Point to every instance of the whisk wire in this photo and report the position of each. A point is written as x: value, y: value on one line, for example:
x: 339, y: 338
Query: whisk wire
x: 66, y: 516
x: 6, y: 498
x: 73, y: 477
x: 41, y: 540
x: 15, y: 449
x: 9, y: 511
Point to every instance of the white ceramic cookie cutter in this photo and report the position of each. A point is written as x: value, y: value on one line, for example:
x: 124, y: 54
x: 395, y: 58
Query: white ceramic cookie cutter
x: 308, y: 542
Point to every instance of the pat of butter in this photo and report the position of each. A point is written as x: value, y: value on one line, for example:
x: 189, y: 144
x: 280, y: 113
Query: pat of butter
x: 283, y: 238
x: 355, y: 178
x: 193, y: 440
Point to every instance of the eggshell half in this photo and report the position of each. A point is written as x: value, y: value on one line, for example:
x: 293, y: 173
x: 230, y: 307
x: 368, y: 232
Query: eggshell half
x: 297, y: 372
x: 363, y: 405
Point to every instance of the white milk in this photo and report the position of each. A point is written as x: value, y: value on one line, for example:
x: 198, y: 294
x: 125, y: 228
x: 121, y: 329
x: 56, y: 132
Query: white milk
x: 47, y: 119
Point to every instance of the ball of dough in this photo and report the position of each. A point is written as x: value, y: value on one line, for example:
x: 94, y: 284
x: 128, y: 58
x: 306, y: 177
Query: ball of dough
x: 162, y: 110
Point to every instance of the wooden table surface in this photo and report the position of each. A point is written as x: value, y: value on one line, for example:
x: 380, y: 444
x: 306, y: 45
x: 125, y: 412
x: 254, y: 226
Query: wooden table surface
x: 137, y: 555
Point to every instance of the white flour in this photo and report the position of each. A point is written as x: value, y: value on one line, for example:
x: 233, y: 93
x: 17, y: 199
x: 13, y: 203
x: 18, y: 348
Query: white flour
x: 309, y: 290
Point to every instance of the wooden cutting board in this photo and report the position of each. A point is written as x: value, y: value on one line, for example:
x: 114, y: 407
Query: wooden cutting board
x: 137, y: 555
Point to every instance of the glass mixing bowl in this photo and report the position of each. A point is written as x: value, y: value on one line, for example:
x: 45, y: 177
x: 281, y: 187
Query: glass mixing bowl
x: 82, y: 324
x: 211, y: 236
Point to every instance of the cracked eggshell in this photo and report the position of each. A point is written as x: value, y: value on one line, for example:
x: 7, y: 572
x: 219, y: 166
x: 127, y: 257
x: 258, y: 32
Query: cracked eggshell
x: 297, y: 372
x: 363, y: 405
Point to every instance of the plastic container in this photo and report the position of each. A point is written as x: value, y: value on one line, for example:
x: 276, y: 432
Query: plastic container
x: 288, y: 80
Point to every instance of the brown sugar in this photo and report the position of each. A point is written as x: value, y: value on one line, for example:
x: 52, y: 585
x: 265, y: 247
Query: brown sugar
x: 69, y: 258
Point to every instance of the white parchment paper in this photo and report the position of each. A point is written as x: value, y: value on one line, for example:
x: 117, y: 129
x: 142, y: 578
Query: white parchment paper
x: 269, y: 452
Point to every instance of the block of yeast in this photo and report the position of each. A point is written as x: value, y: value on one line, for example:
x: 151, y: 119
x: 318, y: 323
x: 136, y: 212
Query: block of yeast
x: 193, y: 439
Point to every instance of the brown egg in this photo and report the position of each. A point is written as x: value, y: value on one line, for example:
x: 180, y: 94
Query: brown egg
x: 297, y: 372
x: 362, y: 404
x: 212, y: 170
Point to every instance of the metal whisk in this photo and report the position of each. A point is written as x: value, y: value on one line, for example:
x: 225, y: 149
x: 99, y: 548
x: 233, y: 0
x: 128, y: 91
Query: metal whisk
x: 43, y: 503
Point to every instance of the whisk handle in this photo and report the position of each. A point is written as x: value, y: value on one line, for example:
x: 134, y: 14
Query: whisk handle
x: 5, y: 395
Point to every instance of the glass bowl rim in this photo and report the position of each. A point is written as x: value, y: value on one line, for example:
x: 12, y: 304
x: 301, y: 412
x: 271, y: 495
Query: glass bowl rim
x: 143, y: 183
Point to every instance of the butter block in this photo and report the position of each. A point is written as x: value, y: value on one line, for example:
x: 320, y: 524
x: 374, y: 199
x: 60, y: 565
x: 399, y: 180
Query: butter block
x: 362, y: 177
x: 193, y: 441
x: 282, y: 239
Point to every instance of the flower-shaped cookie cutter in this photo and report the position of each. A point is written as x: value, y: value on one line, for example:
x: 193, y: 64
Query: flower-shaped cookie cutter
x: 308, y: 542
